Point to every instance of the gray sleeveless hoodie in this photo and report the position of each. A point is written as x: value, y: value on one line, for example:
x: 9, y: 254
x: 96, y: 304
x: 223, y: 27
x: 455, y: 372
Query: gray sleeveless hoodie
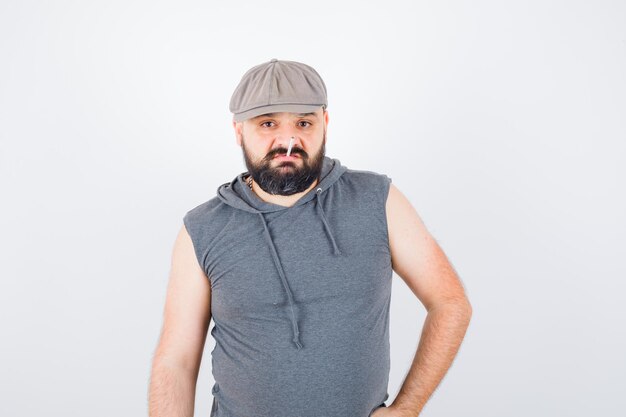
x: 300, y: 296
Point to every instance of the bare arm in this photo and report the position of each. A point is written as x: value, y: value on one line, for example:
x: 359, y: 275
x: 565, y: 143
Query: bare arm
x: 421, y: 263
x: 186, y: 321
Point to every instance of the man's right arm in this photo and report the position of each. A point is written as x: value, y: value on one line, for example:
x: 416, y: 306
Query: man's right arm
x: 186, y: 321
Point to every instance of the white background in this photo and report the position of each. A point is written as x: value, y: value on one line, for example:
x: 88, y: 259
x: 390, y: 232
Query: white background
x: 502, y: 122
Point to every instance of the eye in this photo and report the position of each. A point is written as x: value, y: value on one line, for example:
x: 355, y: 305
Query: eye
x: 304, y: 121
x: 265, y: 123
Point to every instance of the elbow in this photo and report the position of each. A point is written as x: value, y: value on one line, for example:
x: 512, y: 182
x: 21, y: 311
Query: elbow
x: 460, y: 308
x: 465, y: 308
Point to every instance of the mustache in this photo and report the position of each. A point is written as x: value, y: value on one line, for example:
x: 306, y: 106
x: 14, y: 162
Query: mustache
x: 277, y: 151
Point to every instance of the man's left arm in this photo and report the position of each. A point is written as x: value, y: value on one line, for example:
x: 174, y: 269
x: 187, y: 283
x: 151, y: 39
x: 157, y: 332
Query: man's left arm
x: 421, y: 263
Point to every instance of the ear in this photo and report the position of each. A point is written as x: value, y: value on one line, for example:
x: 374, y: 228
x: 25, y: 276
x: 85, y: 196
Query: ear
x: 238, y: 126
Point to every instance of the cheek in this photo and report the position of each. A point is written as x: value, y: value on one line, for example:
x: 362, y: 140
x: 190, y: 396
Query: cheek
x: 257, y: 152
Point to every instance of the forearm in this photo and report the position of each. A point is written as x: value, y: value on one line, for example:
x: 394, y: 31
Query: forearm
x: 442, y: 334
x: 172, y: 391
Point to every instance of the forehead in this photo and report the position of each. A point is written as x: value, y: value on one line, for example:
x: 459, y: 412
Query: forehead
x: 285, y: 114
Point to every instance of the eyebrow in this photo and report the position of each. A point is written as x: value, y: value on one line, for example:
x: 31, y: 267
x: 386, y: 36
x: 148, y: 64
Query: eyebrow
x: 274, y: 114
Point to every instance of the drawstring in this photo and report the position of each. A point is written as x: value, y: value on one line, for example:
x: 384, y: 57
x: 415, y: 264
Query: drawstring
x: 281, y: 272
x: 318, y: 204
x: 296, y: 332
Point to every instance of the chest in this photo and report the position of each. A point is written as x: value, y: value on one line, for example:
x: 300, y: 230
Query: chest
x: 243, y: 268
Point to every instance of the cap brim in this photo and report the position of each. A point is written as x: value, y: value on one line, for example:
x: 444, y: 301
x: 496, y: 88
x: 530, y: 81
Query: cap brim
x: 276, y: 108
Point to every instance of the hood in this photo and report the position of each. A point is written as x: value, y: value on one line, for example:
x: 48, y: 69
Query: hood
x: 238, y: 195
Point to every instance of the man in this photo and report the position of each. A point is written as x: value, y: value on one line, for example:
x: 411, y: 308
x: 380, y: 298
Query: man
x: 293, y: 261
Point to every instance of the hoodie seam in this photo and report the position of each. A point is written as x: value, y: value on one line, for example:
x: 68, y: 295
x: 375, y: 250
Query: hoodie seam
x: 386, y: 190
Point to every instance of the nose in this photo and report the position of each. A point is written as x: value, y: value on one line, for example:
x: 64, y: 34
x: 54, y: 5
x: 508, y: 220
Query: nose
x: 283, y: 142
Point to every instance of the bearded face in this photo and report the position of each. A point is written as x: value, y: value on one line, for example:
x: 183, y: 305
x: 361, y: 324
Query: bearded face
x: 285, y: 176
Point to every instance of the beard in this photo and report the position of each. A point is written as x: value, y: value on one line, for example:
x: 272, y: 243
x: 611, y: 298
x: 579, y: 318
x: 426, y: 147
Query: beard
x: 288, y: 177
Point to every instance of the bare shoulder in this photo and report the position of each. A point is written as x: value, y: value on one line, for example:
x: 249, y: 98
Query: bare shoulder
x: 416, y: 256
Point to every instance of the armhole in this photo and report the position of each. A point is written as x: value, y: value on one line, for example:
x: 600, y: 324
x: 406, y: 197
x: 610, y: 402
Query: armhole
x: 386, y: 187
x: 195, y: 243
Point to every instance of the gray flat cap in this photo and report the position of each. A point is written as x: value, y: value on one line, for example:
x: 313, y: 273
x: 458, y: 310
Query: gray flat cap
x: 278, y: 86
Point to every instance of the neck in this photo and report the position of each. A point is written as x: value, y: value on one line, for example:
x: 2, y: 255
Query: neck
x: 281, y: 200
